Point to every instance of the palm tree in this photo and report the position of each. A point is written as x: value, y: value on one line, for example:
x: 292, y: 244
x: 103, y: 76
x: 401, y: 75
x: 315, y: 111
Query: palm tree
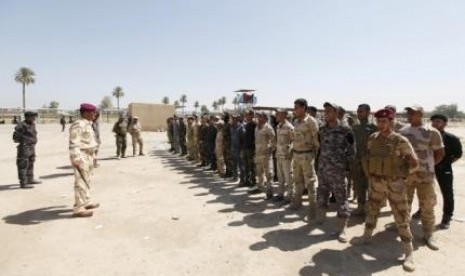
x: 165, y: 100
x: 235, y: 102
x: 118, y: 93
x: 196, y: 106
x: 223, y: 102
x: 183, y: 100
x: 25, y: 76
x: 176, y: 104
x: 215, y: 105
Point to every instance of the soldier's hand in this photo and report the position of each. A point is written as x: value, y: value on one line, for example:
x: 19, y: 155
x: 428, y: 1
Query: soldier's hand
x: 76, y: 165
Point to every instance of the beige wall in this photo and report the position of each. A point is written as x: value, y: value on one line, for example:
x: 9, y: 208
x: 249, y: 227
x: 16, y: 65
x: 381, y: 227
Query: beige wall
x: 151, y: 116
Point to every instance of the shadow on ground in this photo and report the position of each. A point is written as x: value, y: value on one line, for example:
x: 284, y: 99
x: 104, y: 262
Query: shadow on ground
x: 40, y: 215
x: 55, y: 175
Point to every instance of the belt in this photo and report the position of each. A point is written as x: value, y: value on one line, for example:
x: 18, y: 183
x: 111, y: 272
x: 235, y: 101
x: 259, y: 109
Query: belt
x: 302, y: 151
x: 89, y: 150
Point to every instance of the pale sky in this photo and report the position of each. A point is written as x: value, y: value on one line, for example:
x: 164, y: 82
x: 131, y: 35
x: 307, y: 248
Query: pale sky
x: 349, y: 52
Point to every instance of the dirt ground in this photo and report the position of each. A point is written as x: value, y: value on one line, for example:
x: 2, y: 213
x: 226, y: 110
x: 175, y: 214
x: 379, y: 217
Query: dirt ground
x: 160, y: 215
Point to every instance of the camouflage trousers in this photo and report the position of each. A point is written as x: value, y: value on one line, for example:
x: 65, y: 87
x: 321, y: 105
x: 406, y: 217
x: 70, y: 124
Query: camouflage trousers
x: 227, y: 158
x: 360, y: 182
x: 263, y: 171
x: 219, y: 158
x: 25, y: 159
x: 284, y: 171
x: 121, y: 144
x: 395, y: 190
x: 331, y: 179
x: 137, y: 142
x: 304, y: 177
x: 82, y: 181
x: 423, y: 183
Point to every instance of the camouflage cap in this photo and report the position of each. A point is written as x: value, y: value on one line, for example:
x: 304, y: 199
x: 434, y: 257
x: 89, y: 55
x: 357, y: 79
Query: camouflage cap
x: 416, y: 108
x: 332, y: 105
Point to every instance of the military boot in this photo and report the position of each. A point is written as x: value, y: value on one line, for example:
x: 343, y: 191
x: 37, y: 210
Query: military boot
x: 360, y: 211
x: 296, y: 204
x: 341, y: 230
x: 31, y: 180
x: 23, y: 185
x: 431, y: 242
x: 320, y: 217
x: 409, y: 263
x: 365, y: 239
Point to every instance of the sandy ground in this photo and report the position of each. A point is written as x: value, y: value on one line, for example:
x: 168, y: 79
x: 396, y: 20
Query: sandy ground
x: 160, y: 215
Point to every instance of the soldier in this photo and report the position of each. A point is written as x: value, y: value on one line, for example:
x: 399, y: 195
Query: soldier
x: 362, y: 132
x: 182, y: 136
x: 248, y: 149
x: 169, y: 132
x: 237, y: 130
x: 63, y: 123
x: 96, y: 128
x: 336, y: 147
x: 285, y: 136
x: 203, y: 130
x: 444, y: 174
x: 196, y: 146
x: 305, y: 146
x: 190, y: 138
x: 211, y: 139
x: 136, y: 134
x: 265, y: 142
x: 26, y: 135
x: 396, y: 124
x: 219, y: 147
x: 176, y: 142
x: 227, y: 145
x: 120, y: 129
x: 390, y: 158
x: 82, y: 146
x: 428, y: 146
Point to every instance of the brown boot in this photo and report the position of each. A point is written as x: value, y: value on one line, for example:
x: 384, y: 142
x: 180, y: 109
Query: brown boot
x: 83, y: 214
x: 360, y: 211
x: 341, y: 230
x: 365, y: 239
x: 320, y: 217
x: 409, y: 263
x: 92, y: 206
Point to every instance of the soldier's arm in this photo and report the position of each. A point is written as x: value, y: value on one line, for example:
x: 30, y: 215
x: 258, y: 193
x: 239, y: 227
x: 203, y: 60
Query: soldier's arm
x: 409, y: 154
x: 272, y: 136
x: 350, y: 151
x: 115, y: 128
x: 314, y: 134
x: 437, y: 145
x: 75, y: 144
x: 456, y: 149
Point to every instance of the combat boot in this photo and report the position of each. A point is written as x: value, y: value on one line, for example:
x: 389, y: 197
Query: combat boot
x: 320, y: 216
x: 83, y: 214
x: 341, y: 230
x: 92, y: 206
x: 365, y: 239
x: 23, y: 185
x: 431, y: 242
x: 31, y: 180
x: 408, y: 264
x: 296, y: 204
x: 360, y: 211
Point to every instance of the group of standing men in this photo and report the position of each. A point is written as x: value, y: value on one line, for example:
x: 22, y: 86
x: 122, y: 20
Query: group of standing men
x: 121, y: 129
x: 388, y: 160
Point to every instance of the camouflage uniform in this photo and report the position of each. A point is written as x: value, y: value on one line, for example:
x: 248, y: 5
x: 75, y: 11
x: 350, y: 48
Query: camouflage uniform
x: 248, y: 153
x: 425, y: 140
x: 211, y: 139
x: 190, y: 140
x: 176, y: 141
x: 120, y: 129
x: 82, y: 146
x: 169, y: 132
x: 362, y: 132
x: 285, y: 136
x: 203, y: 132
x: 196, y: 145
x: 219, y: 150
x: 26, y: 135
x: 265, y: 142
x: 136, y: 134
x: 305, y: 146
x: 182, y: 136
x: 236, y: 145
x: 336, y: 147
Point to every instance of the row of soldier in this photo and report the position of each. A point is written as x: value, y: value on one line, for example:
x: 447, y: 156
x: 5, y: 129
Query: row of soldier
x: 388, y: 160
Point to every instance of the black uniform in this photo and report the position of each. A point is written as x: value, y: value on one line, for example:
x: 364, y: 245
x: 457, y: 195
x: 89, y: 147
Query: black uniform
x: 444, y: 175
x: 26, y: 135
x: 182, y: 137
x: 211, y: 141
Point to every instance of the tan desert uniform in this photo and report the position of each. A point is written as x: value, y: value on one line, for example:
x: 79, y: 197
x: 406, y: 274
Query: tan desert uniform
x: 425, y: 140
x: 136, y: 134
x: 265, y: 142
x: 285, y: 136
x: 195, y: 149
x: 305, y: 146
x: 82, y: 147
x: 219, y: 149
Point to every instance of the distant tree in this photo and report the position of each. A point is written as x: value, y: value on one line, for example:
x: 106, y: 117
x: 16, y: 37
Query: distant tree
x: 165, y: 100
x: 196, y: 106
x: 118, y: 93
x: 106, y: 103
x: 204, y: 109
x: 25, y: 76
x: 450, y: 110
x: 183, y: 100
x: 176, y: 104
x: 215, y: 105
x: 222, y: 102
x: 235, y: 102
x: 54, y: 105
